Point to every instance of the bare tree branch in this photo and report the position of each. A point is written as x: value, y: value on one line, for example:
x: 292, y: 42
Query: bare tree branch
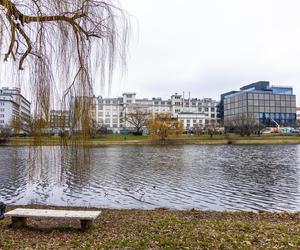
x: 62, y: 45
x: 138, y: 119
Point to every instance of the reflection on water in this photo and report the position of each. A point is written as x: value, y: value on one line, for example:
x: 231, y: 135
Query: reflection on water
x: 179, y: 177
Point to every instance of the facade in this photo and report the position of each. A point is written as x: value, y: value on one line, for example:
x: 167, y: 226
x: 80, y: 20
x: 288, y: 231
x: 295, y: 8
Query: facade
x: 111, y: 112
x: 14, y: 110
x: 298, y: 117
x: 261, y: 104
x: 82, y: 111
x: 60, y: 119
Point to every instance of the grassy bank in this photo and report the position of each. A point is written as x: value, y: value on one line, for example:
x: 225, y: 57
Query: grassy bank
x: 159, y: 229
x: 103, y: 140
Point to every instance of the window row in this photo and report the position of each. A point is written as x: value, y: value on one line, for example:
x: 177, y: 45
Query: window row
x: 252, y: 96
x: 259, y: 109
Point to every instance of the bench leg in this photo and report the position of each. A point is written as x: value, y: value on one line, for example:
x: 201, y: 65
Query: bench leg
x: 85, y: 224
x: 18, y: 222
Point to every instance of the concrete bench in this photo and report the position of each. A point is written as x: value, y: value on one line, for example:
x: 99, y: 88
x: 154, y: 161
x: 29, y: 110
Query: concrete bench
x: 19, y: 216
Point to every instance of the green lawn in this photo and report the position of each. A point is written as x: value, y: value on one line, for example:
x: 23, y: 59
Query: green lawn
x: 160, y: 229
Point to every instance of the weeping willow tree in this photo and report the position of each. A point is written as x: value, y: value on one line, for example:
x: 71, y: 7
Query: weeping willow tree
x: 65, y: 47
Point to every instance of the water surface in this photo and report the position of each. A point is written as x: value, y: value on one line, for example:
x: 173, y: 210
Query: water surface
x: 227, y: 177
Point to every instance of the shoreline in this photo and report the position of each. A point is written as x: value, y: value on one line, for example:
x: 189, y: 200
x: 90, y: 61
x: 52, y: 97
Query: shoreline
x: 158, y: 229
x: 186, y: 141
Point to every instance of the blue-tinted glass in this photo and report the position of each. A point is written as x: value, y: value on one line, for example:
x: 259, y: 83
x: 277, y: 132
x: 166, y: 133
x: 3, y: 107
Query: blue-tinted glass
x: 282, y: 91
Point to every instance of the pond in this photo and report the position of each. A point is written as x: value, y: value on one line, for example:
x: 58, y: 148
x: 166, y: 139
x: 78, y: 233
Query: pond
x: 223, y: 177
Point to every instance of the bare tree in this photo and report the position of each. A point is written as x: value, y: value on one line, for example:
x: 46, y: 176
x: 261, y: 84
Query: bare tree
x: 5, y: 133
x: 62, y: 45
x: 212, y: 129
x: 244, y: 124
x: 138, y: 118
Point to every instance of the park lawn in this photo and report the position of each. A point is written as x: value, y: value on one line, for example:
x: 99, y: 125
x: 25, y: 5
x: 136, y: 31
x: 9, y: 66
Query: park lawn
x: 159, y: 229
x: 120, y: 137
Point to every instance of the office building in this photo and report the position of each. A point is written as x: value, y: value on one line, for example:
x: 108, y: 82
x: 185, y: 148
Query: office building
x: 60, y: 119
x: 298, y: 116
x: 261, y: 104
x: 14, y: 110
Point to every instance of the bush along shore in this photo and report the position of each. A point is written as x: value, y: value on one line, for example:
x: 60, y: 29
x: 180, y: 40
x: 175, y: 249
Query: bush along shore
x: 158, y: 229
x: 103, y: 140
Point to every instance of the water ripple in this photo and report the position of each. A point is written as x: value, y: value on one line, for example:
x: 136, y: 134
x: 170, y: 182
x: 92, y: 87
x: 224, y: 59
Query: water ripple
x: 225, y: 177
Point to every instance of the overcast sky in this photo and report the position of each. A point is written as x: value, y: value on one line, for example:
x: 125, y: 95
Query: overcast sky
x: 209, y: 47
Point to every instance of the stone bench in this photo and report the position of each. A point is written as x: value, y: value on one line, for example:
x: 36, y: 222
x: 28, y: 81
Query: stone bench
x: 19, y: 216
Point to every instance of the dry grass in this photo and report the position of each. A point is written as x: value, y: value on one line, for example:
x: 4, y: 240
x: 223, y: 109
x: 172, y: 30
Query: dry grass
x: 160, y: 229
x: 145, y: 140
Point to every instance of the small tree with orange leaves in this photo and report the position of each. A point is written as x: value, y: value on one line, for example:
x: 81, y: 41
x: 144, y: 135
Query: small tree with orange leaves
x: 163, y: 125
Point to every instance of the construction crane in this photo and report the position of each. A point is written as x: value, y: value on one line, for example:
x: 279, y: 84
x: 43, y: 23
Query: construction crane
x: 278, y: 126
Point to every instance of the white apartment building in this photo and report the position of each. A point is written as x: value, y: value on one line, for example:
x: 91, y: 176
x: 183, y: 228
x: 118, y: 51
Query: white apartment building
x: 194, y: 113
x: 14, y: 107
x: 298, y: 114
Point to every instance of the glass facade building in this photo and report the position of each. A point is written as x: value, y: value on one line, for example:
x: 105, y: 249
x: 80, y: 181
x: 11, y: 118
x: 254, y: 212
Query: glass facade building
x: 264, y: 104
